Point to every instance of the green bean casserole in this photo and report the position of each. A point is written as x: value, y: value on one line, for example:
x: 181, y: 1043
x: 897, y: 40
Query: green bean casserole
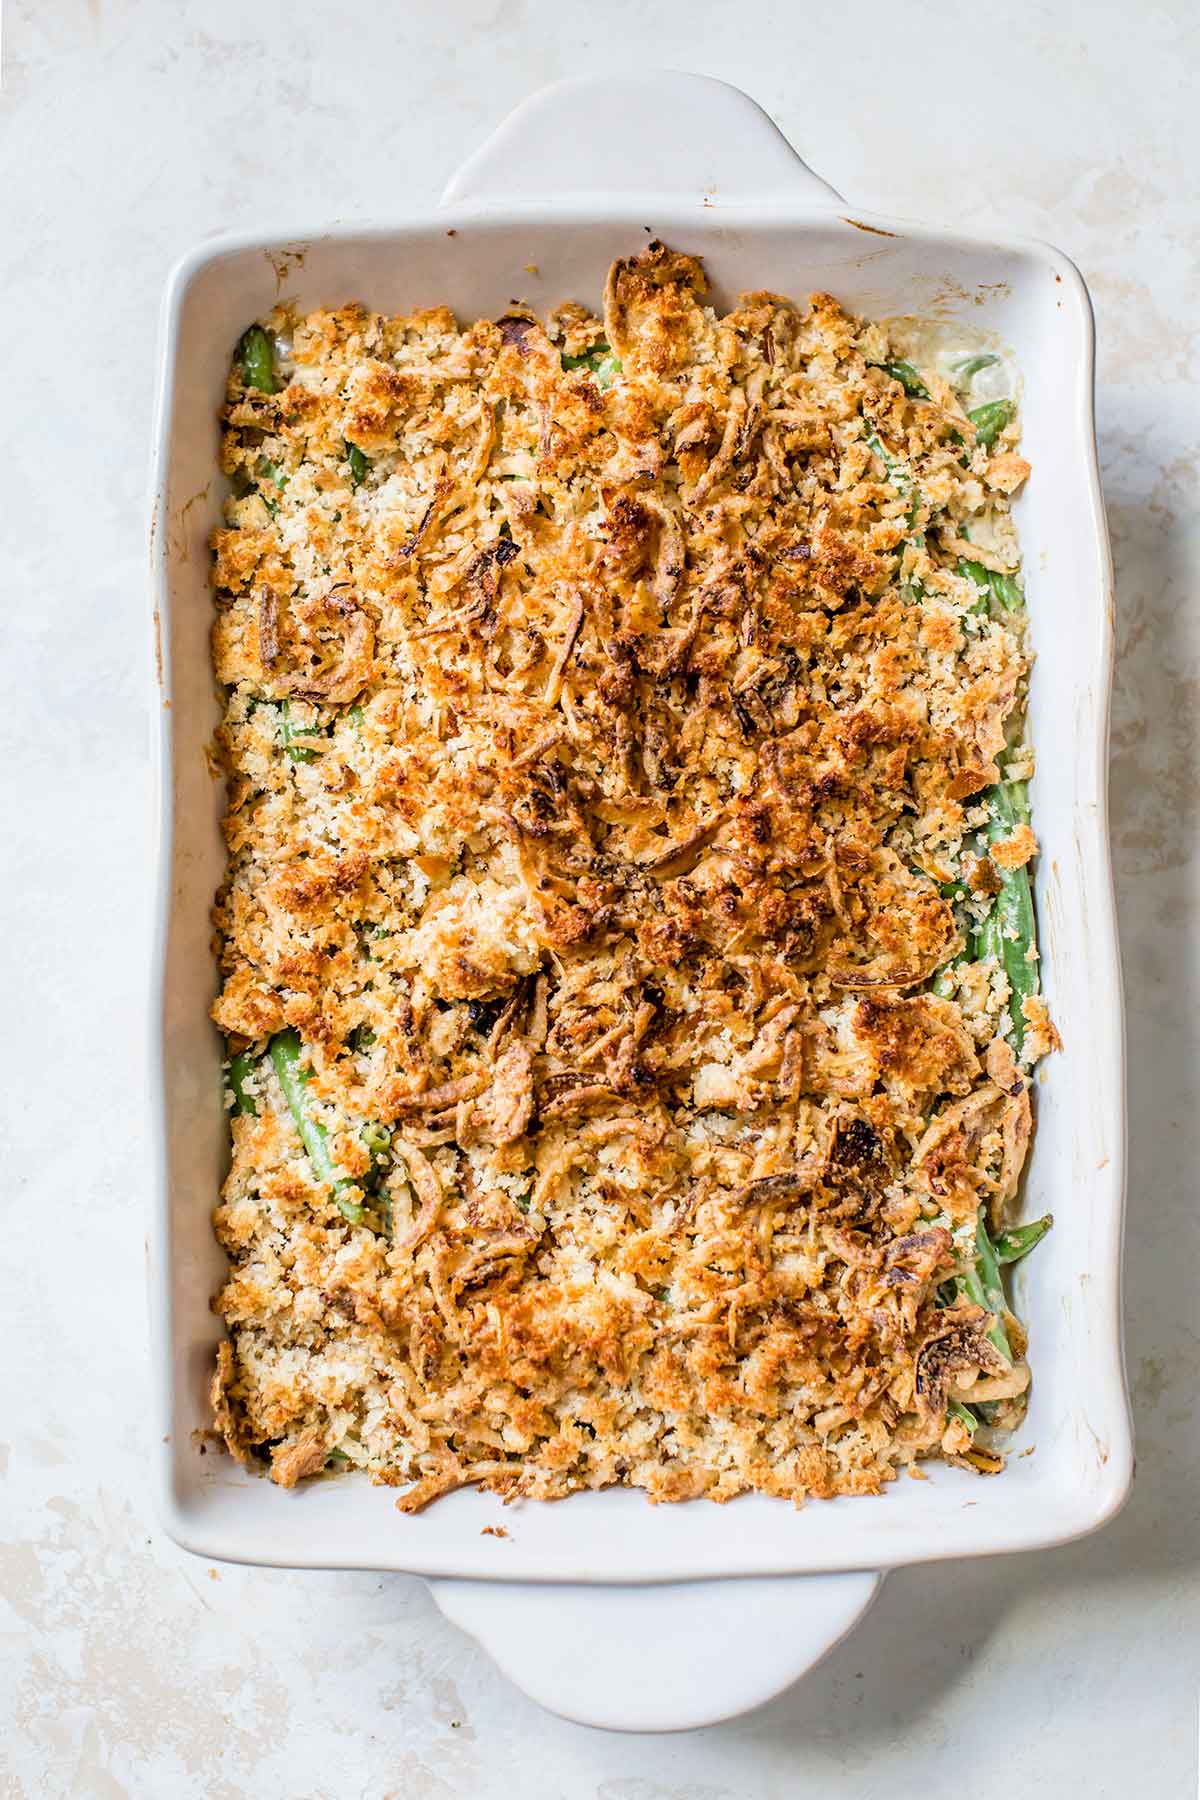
x: 627, y: 946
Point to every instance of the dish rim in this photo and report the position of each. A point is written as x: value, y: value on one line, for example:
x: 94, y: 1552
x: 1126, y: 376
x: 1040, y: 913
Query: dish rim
x: 618, y: 211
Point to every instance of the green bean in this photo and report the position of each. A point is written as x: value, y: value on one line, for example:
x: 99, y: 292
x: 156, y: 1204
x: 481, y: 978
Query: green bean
x: 1015, y: 925
x: 1009, y: 801
x: 241, y: 1067
x: 378, y: 1141
x: 894, y: 469
x: 989, y: 1274
x: 1008, y: 592
x: 897, y: 472
x: 302, y: 753
x: 989, y: 421
x: 382, y: 1203
x: 988, y: 1290
x: 913, y: 588
x: 1005, y: 588
x: 909, y: 379
x: 971, y: 365
x: 1019, y: 1240
x: 976, y: 573
x: 359, y: 465
x: 942, y: 984
x: 256, y: 353
x: 286, y: 1050
x: 274, y: 475
x: 598, y: 361
x: 982, y: 1284
x: 963, y: 1414
x: 987, y: 936
x: 376, y: 1137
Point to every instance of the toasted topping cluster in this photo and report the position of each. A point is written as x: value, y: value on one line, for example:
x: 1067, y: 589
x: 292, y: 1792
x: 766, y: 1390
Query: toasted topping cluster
x: 610, y: 717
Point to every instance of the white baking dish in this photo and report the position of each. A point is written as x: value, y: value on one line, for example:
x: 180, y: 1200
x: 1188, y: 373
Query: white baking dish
x: 582, y: 173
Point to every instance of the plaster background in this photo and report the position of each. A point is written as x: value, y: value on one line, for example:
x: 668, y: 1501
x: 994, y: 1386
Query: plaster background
x: 129, y: 128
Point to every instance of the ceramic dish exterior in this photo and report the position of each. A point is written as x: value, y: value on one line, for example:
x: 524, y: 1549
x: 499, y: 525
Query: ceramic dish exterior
x: 760, y: 219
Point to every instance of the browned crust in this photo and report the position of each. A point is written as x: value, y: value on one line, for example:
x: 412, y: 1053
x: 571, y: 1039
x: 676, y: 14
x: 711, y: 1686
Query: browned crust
x: 599, y: 864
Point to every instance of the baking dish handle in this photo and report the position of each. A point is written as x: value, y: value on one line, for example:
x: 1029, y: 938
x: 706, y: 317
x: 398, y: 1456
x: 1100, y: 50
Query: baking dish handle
x: 660, y: 1658
x: 663, y: 133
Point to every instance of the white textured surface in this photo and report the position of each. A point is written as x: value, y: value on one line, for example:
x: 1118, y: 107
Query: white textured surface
x: 127, y: 132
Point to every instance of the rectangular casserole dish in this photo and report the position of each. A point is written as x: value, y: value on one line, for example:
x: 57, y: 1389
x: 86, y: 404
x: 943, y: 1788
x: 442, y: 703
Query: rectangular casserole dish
x: 531, y: 201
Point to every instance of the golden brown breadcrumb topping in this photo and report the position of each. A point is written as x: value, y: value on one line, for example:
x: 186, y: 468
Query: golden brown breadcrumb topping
x: 609, y: 723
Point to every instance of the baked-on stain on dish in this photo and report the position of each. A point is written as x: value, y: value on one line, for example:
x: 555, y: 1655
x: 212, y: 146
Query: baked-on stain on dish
x: 875, y: 230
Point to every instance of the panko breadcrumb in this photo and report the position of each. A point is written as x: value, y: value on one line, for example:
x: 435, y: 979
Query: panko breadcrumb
x: 608, y: 723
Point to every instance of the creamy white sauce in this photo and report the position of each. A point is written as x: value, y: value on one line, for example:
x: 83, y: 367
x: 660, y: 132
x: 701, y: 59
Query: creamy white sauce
x: 942, y: 348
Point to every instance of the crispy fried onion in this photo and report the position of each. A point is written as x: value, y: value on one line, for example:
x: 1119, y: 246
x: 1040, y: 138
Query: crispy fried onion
x: 634, y: 279
x: 449, y: 1475
x: 559, y: 667
x: 429, y: 1193
x: 954, y: 1346
x: 788, y: 1185
x: 436, y: 1099
x: 412, y: 543
x: 872, y: 977
x: 228, y: 1417
x: 450, y: 492
x: 955, y: 1136
x: 482, y: 581
x: 321, y: 648
x: 912, y: 1261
